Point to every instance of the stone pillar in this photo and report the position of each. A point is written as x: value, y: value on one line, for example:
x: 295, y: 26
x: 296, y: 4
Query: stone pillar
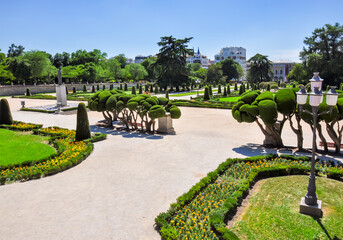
x: 165, y: 124
x: 61, y: 95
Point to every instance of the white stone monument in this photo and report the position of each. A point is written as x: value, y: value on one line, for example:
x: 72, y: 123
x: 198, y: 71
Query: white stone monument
x: 165, y: 124
x: 61, y: 94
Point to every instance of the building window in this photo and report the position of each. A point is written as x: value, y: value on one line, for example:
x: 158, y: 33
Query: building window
x: 280, y: 71
x: 217, y: 58
x: 222, y: 58
x: 275, y: 71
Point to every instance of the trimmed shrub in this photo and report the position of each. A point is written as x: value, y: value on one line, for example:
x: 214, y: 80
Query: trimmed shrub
x: 84, y: 88
x: 285, y: 100
x: 66, y: 90
x: 241, y: 90
x: 219, y: 89
x: 250, y: 97
x: 228, y: 90
x: 268, y: 87
x: 28, y: 92
x: 167, y: 94
x: 283, y: 85
x: 157, y: 111
x: 111, y: 87
x: 74, y: 90
x: 177, y: 89
x: 225, y: 93
x: 125, y: 87
x: 265, y: 96
x: 236, y: 87
x: 82, y: 123
x: 268, y: 111
x: 207, y: 93
x: 5, y: 112
x: 93, y: 89
x: 151, y: 88
x: 104, y: 87
x: 121, y: 87
x: 175, y: 112
x: 133, y: 90
x: 140, y: 89
x: 97, y: 87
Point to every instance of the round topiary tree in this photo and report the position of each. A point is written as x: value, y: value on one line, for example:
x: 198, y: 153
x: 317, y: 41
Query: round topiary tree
x: 82, y: 123
x: 155, y: 112
x: 5, y: 112
x: 206, y: 94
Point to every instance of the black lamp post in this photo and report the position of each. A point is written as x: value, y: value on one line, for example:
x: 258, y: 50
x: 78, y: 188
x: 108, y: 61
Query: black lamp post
x: 309, y: 204
x: 197, y: 82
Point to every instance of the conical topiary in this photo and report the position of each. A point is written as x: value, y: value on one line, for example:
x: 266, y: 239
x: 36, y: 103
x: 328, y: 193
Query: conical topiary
x: 133, y: 90
x: 74, y: 90
x: 210, y: 90
x: 111, y: 86
x: 151, y: 88
x: 140, y: 89
x: 219, y: 89
x: 28, y: 92
x: 125, y: 87
x: 5, y: 112
x: 268, y: 87
x: 225, y: 93
x: 146, y: 88
x: 207, y: 93
x: 93, y: 89
x: 236, y: 87
x: 104, y: 87
x: 82, y: 123
x: 241, y: 90
x: 84, y: 88
x: 121, y: 87
x: 167, y: 94
x: 97, y: 87
x: 66, y: 90
x: 228, y: 90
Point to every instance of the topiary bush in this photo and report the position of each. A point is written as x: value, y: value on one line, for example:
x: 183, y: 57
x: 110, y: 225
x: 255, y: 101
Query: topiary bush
x: 74, y: 90
x: 140, y: 89
x: 97, y: 87
x: 228, y: 90
x: 104, y: 87
x: 121, y: 87
x: 82, y: 123
x: 67, y: 91
x: 206, y: 94
x: 93, y: 89
x: 84, y: 88
x: 5, y: 112
x: 236, y: 87
x: 133, y: 90
x: 28, y: 92
x: 210, y: 90
x: 167, y: 94
x: 225, y: 92
x: 219, y: 89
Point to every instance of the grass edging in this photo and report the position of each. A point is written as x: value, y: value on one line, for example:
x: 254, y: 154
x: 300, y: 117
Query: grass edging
x: 219, y: 217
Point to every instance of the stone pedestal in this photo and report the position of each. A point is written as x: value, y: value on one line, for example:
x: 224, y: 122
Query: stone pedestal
x: 312, y: 210
x: 165, y: 124
x: 61, y: 95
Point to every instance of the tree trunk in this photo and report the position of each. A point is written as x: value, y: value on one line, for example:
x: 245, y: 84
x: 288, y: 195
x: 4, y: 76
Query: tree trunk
x: 322, y: 138
x: 298, y: 131
x: 335, y: 136
x: 108, y: 118
x: 272, y: 134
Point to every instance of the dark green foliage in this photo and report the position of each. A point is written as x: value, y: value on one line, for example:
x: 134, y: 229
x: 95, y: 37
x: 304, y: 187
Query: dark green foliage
x: 265, y: 96
x: 167, y: 94
x: 156, y: 89
x: 283, y: 85
x: 175, y: 112
x: 5, y: 112
x: 219, y: 89
x: 97, y: 87
x: 248, y: 86
x: 121, y: 87
x: 93, y: 89
x: 133, y: 90
x: 249, y: 97
x: 210, y: 90
x: 74, y: 90
x: 111, y: 86
x: 84, y: 88
x: 206, y: 94
x: 241, y: 90
x: 125, y: 87
x: 146, y: 88
x: 104, y: 87
x: 28, y: 92
x: 111, y: 103
x: 286, y: 101
x: 228, y: 90
x: 294, y: 86
x: 268, y: 87
x: 225, y: 93
x: 268, y: 111
x: 177, y: 89
x: 151, y: 100
x: 163, y: 101
x: 236, y: 87
x: 140, y: 89
x: 82, y: 123
x: 67, y: 91
x: 137, y: 86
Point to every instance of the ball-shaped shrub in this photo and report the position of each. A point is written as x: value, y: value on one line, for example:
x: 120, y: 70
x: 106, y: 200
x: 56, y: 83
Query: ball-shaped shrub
x: 157, y: 111
x: 268, y: 111
x: 249, y: 97
x: 175, y: 112
x: 265, y: 96
x: 152, y: 101
x: 163, y: 101
x: 104, y: 95
x: 5, y: 112
x: 82, y: 123
x: 111, y: 103
x: 285, y: 100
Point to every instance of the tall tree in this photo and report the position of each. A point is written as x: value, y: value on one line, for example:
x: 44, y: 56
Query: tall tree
x: 298, y: 73
x: 231, y: 69
x: 172, y: 61
x: 260, y: 69
x: 214, y: 74
x: 324, y: 52
x: 61, y: 59
x: 114, y: 66
x: 137, y: 71
x: 15, y: 51
x: 121, y: 59
x: 152, y: 70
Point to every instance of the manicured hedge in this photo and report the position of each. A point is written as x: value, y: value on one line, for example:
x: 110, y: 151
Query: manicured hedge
x: 195, y: 103
x: 194, y: 215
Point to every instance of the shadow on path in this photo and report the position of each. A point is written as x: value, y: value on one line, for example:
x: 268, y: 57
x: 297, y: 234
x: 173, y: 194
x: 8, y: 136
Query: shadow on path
x: 125, y: 133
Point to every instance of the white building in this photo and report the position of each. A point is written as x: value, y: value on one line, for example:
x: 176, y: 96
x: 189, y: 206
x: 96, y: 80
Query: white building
x: 198, y: 58
x: 281, y: 69
x: 236, y: 53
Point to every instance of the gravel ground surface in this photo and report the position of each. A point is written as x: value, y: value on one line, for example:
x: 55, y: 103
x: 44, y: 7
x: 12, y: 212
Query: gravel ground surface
x: 128, y: 179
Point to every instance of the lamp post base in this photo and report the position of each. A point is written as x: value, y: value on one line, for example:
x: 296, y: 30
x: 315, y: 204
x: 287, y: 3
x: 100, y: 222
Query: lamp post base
x: 312, y: 210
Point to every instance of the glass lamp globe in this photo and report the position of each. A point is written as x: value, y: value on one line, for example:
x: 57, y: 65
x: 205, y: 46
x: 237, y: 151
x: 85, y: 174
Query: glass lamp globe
x: 301, y: 96
x: 331, y: 97
x: 316, y: 81
x: 316, y: 97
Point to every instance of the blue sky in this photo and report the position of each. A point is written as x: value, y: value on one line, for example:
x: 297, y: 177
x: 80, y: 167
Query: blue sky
x: 270, y: 27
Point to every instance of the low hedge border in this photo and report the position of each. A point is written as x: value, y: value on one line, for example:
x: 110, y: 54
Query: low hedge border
x: 220, y: 216
x: 21, y: 126
x: 70, y: 153
x: 47, y: 111
x: 195, y: 103
x: 50, y: 97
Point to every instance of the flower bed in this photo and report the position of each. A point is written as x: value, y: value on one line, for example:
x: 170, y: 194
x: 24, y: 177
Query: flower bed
x: 70, y: 153
x: 203, y: 211
x: 21, y: 126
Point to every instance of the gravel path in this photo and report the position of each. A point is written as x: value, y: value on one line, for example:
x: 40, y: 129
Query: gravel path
x: 128, y: 179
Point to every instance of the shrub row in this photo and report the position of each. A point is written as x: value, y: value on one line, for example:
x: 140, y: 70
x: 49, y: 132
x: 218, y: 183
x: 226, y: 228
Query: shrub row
x: 267, y: 167
x: 21, y: 126
x: 196, y: 103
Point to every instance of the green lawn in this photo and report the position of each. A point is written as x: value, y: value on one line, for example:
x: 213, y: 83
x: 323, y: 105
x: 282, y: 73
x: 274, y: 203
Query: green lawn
x: 273, y: 211
x: 18, y: 147
x: 229, y: 99
x: 194, y: 92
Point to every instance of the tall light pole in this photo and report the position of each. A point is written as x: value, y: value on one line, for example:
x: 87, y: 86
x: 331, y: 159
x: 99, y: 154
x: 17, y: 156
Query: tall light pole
x: 310, y: 204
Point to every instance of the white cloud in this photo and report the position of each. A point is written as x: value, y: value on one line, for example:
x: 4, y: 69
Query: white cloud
x: 285, y: 54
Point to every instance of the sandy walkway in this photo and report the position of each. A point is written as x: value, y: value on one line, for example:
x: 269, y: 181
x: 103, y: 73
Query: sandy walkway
x: 128, y: 179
